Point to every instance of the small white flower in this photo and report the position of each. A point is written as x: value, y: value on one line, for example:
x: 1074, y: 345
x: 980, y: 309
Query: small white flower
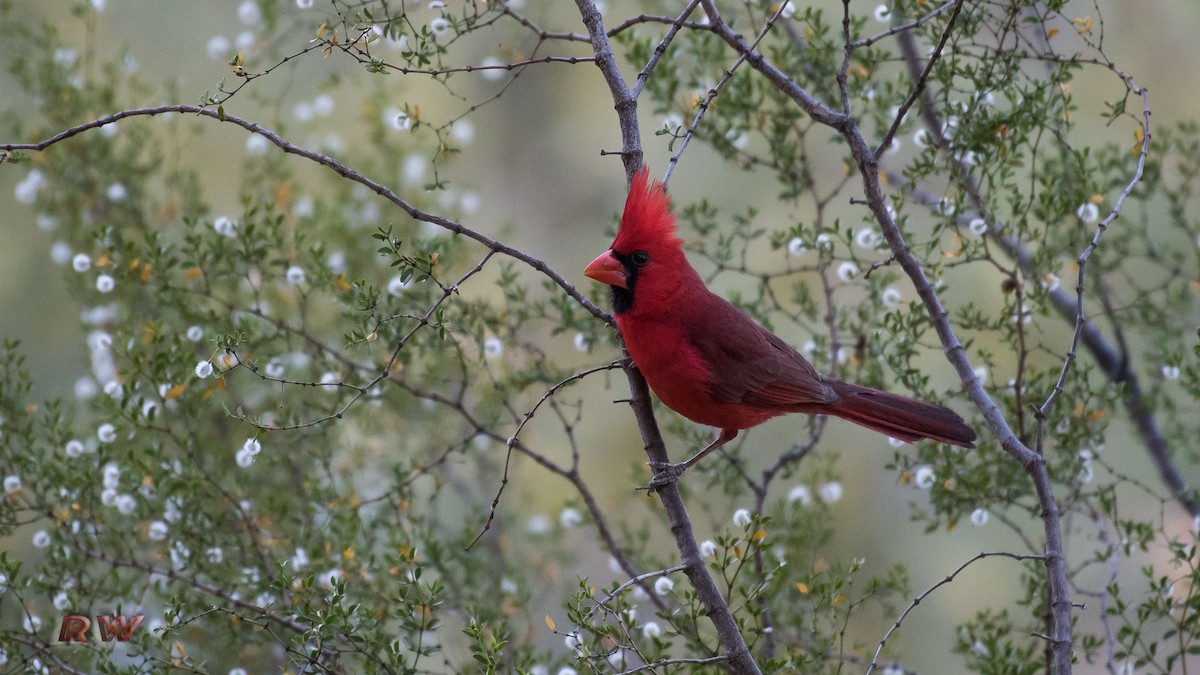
x: 249, y: 12
x: 895, y: 442
x: 323, y: 105
x: 708, y: 548
x: 295, y: 275
x: 214, y: 554
x: 492, y: 347
x: 244, y: 41
x: 116, y: 192
x: 60, y: 252
x: 173, y: 509
x: 225, y: 227
x: 830, y: 492
x: 33, y: 623
x: 565, y: 670
x: 439, y: 25
x: 463, y: 131
x: 571, y: 640
x: 398, y: 119
x: 62, y: 601
x: 796, y: 246
x: 257, y: 144
x: 218, y: 47
x: 414, y: 169
x: 1050, y: 282
x: 651, y: 630
x: 891, y: 298
x: 252, y: 446
x: 65, y: 56
x: 304, y: 4
x: 847, y: 271
x: 330, y: 379
x: 41, y: 539
x: 111, y: 475
x: 582, y: 343
x: 922, y: 138
x: 537, y: 524
x: 491, y: 69
x: 663, y: 585
x: 12, y: 483
x: 978, y: 226
x: 924, y: 477
x: 673, y: 122
x: 107, y: 433
x: 126, y: 504
x: 27, y: 190
x: 180, y: 555
x: 204, y: 369
x: 867, y: 238
x: 741, y: 518
x: 299, y: 559
x: 981, y: 374
x: 157, y: 531
x: 470, y: 202
x: 194, y: 333
x: 243, y: 457
x: 1088, y: 213
x: 570, y: 517
x: 979, y: 517
x: 74, y: 448
x: 1170, y: 372
x: 883, y: 14
x: 105, y: 283
x: 800, y: 494
x: 82, y: 262
x: 108, y: 497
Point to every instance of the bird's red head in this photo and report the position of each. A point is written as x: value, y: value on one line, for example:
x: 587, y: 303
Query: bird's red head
x: 646, y: 250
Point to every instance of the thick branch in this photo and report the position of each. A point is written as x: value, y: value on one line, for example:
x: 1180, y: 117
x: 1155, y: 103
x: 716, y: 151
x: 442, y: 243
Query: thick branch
x: 625, y: 102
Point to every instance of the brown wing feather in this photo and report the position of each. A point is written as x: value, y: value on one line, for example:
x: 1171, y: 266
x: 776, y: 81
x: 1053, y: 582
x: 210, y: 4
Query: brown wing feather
x: 751, y: 365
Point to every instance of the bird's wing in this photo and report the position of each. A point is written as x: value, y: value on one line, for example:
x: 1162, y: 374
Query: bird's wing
x: 752, y: 366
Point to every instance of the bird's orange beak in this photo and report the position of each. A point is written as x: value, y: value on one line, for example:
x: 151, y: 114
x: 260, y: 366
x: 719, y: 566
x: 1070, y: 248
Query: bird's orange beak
x: 607, y: 270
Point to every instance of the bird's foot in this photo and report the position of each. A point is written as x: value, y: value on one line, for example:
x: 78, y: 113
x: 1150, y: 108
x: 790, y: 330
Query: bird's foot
x: 664, y: 475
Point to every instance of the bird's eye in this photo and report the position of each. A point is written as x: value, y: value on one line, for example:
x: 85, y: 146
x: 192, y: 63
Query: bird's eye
x: 640, y: 258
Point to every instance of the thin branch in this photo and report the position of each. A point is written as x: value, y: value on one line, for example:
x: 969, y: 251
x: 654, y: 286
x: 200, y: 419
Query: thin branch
x: 512, y: 440
x: 338, y: 168
x: 712, y: 93
x: 639, y: 579
x: 929, y: 591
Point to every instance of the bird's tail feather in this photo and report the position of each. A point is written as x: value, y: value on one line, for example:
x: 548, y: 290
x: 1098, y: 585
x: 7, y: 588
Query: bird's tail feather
x: 899, y: 416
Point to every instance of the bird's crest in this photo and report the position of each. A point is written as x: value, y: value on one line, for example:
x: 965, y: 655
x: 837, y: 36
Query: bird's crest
x: 647, y: 219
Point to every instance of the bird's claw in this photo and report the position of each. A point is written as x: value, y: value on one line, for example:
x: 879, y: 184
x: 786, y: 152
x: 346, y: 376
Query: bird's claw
x: 664, y: 475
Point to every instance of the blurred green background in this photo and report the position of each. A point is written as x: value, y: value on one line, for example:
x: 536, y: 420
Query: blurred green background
x: 534, y: 161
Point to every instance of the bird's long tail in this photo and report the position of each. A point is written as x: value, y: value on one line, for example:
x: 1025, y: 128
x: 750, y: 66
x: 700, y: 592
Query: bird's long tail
x: 899, y: 416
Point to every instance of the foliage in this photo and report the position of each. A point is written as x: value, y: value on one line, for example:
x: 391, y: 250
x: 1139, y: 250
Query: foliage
x: 316, y: 411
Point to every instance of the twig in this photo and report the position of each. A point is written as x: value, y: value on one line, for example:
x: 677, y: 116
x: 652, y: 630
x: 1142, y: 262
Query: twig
x: 639, y: 579
x: 712, y: 93
x: 929, y: 591
x: 512, y: 440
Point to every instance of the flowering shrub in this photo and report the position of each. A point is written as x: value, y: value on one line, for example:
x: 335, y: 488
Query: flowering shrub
x: 340, y: 403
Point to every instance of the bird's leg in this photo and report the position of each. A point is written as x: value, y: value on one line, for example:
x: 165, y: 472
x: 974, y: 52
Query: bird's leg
x: 668, y: 473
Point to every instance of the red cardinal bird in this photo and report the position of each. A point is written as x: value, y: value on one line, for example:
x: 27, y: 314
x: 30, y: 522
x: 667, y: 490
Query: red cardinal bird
x: 713, y: 364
